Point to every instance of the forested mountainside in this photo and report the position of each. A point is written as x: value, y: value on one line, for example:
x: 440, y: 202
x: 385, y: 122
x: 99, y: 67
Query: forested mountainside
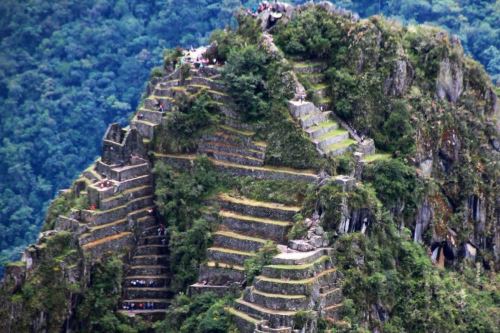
x: 67, y: 69
x: 63, y: 60
x: 474, y: 22
x: 306, y: 172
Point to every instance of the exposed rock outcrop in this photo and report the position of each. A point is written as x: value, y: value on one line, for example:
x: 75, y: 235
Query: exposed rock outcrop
x: 450, y: 80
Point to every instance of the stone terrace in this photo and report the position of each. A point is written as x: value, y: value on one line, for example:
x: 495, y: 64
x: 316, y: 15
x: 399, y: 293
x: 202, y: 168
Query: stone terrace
x: 294, y: 282
x: 233, y: 145
x: 246, y: 225
x: 265, y: 172
x: 168, y: 91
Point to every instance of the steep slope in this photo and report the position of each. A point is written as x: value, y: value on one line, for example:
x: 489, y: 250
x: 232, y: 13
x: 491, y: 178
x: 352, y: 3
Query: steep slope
x: 287, y: 177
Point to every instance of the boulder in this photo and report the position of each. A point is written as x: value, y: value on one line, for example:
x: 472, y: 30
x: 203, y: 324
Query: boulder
x: 300, y: 245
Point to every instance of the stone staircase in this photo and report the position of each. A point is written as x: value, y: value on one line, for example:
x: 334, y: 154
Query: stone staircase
x: 168, y: 91
x: 120, y: 220
x: 302, y: 281
x: 326, y: 134
x: 245, y: 226
x: 313, y: 72
x: 145, y: 288
x: 330, y: 135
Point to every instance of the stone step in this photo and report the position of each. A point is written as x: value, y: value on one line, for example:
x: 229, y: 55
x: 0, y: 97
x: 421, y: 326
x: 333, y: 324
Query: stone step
x: 232, y: 158
x: 91, y: 174
x: 121, y: 173
x: 233, y: 240
x: 255, y: 226
x: 220, y: 291
x: 330, y: 138
x: 158, y: 304
x: 218, y: 96
x: 154, y: 231
x: 98, y: 217
x: 294, y: 287
x: 150, y: 281
x: 331, y: 297
x: 228, y: 256
x: 325, y: 103
x: 116, y: 243
x: 300, y: 258
x: 277, y: 301
x: 262, y: 209
x: 135, y: 182
x: 321, y: 89
x: 148, y: 270
x: 301, y: 109
x: 152, y: 240
x: 141, y: 214
x: 217, y: 273
x: 145, y: 222
x: 309, y: 67
x: 340, y: 148
x: 322, y: 128
x: 230, y: 148
x: 244, y: 322
x: 145, y: 292
x: 140, y: 260
x: 144, y: 127
x: 168, y: 84
x: 298, y: 272
x: 204, y: 81
x: 152, y: 102
x: 276, y: 318
x: 151, y: 116
x: 172, y: 92
x: 314, y: 78
x: 130, y: 171
x: 333, y: 312
x: 263, y: 328
x: 150, y: 250
x: 224, y: 138
x: 274, y: 173
x: 195, y: 88
x: 105, y: 230
x: 313, y: 119
x: 121, y: 198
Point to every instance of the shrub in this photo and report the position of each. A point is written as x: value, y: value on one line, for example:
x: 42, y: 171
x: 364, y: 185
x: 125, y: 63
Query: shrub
x: 180, y: 200
x: 253, y: 266
x: 202, y: 313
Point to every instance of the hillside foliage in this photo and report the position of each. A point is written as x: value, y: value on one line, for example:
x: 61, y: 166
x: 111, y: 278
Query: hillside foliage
x: 67, y: 70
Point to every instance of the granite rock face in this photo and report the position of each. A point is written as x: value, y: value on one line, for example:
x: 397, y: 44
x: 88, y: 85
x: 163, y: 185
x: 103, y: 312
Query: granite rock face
x: 450, y: 80
x: 400, y: 80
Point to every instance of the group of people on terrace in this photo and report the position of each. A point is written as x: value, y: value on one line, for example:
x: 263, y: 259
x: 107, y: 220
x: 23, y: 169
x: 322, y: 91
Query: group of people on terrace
x: 139, y: 306
x: 197, y: 57
x: 276, y: 8
x: 105, y: 183
x: 145, y: 283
